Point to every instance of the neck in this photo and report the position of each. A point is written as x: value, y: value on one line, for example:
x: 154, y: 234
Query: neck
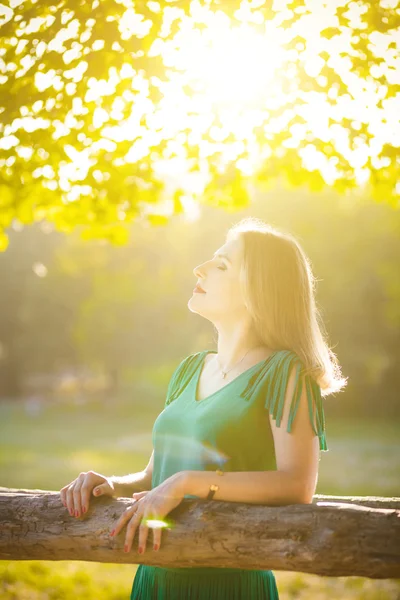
x: 234, y: 346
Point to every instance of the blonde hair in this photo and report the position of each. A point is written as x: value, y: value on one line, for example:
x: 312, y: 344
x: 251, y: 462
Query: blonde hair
x: 279, y: 290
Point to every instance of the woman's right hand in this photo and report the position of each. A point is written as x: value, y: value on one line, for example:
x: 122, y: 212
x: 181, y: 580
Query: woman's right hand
x: 75, y: 495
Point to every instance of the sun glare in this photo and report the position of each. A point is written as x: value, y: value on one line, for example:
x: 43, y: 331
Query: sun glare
x: 231, y: 65
x: 232, y: 91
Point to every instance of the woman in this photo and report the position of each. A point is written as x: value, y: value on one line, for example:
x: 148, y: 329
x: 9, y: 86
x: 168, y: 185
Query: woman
x: 251, y: 412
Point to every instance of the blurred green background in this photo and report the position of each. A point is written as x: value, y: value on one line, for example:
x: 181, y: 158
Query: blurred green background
x: 91, y: 333
x: 120, y: 117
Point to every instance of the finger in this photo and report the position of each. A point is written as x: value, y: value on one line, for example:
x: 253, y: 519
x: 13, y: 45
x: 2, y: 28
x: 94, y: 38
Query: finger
x: 124, y: 518
x: 70, y: 498
x: 138, y: 495
x: 156, y: 537
x: 85, y: 494
x: 102, y: 489
x: 143, y: 534
x: 63, y: 495
x: 77, y: 495
x: 153, y: 522
x: 131, y: 530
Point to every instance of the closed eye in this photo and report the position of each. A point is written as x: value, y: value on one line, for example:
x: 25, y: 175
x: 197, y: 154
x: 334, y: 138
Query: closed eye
x: 222, y: 268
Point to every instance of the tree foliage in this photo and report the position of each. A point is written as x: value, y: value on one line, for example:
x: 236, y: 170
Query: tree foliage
x: 100, y: 119
x: 69, y: 305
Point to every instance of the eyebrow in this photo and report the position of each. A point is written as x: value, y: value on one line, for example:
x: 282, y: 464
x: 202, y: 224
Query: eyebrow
x: 223, y: 256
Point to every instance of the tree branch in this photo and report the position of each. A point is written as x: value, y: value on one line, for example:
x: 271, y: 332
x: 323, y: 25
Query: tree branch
x: 333, y: 536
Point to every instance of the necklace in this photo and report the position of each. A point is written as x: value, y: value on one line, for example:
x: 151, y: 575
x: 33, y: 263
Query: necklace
x: 224, y: 373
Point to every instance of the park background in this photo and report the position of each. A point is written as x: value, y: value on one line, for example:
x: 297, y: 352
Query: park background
x: 94, y: 291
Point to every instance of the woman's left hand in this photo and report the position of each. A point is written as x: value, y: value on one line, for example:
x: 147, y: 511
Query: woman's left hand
x: 153, y: 504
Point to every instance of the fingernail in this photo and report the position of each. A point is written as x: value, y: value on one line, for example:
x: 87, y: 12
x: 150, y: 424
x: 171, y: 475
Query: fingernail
x: 71, y: 512
x: 113, y: 531
x: 84, y: 509
x: 156, y: 547
x: 125, y: 548
x: 140, y: 550
x: 77, y: 513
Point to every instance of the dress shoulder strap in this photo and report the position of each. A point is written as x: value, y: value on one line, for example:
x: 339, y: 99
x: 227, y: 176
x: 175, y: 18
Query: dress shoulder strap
x: 270, y: 383
x: 181, y: 376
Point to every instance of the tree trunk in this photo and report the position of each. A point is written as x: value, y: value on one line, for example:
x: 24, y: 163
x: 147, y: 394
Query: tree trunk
x: 333, y: 536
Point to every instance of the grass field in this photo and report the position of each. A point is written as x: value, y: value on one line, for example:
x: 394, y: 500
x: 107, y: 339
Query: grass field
x: 49, y: 448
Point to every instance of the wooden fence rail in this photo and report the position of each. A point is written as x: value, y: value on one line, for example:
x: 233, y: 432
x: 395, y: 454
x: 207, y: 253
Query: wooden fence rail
x: 334, y: 536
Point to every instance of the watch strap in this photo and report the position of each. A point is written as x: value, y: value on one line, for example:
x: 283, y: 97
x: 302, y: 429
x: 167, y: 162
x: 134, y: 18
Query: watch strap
x: 213, y: 486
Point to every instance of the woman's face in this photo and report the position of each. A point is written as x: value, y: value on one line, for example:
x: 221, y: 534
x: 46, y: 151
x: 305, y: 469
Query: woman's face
x: 219, y: 277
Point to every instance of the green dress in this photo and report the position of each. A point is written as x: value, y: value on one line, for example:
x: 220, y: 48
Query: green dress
x: 227, y: 430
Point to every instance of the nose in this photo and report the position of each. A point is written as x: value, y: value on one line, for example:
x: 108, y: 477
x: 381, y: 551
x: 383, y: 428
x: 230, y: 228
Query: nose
x: 197, y: 272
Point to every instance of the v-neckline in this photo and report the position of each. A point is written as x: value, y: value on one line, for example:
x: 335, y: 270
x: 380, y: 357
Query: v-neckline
x: 200, y: 369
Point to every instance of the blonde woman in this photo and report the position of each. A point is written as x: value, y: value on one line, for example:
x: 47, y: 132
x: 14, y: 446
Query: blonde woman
x: 251, y: 411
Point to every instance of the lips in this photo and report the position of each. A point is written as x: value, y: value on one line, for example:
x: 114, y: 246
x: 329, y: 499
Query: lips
x: 199, y: 290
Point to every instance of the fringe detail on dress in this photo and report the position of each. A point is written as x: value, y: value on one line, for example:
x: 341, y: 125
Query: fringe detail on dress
x: 156, y: 583
x: 271, y: 381
x: 181, y: 377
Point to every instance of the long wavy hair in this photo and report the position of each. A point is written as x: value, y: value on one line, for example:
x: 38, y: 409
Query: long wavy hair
x: 279, y: 290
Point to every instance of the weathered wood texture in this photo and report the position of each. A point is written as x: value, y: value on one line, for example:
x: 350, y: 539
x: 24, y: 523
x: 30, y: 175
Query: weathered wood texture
x: 333, y: 536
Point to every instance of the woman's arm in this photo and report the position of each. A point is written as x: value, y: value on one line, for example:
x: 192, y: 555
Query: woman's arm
x: 126, y: 485
x: 297, y: 460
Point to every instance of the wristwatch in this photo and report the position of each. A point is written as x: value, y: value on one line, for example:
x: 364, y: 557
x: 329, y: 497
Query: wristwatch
x: 213, y: 486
